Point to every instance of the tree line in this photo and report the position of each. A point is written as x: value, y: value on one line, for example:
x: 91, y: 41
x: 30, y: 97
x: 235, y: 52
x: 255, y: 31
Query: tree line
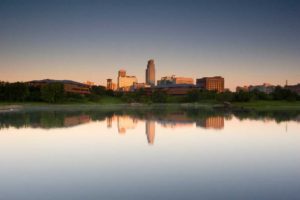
x: 54, y: 93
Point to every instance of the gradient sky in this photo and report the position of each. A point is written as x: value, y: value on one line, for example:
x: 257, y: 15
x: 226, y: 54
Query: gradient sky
x: 247, y: 42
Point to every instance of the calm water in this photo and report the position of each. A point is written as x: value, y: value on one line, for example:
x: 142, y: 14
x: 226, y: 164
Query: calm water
x: 157, y: 153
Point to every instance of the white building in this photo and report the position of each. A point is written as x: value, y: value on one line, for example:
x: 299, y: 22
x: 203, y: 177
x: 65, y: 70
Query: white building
x: 125, y: 82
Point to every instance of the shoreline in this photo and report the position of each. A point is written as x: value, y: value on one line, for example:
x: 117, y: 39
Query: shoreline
x: 240, y: 106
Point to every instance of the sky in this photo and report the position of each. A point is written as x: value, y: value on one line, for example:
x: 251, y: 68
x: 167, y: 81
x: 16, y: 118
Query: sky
x: 246, y: 42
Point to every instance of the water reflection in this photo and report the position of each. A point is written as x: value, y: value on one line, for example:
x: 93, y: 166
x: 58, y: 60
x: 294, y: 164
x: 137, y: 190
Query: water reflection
x: 216, y: 122
x: 82, y: 153
x: 150, y: 131
x: 171, y: 120
x: 127, y: 119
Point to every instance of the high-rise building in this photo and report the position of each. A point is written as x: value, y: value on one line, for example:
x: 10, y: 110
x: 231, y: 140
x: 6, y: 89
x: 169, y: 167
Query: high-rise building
x: 211, y: 83
x: 124, y: 81
x: 150, y: 73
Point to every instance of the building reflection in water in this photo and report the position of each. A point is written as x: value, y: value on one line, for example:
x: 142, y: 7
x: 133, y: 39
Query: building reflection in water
x: 123, y: 122
x: 150, y: 131
x: 109, y: 121
x: 215, y: 122
x: 173, y: 120
x: 126, y: 122
x: 76, y: 120
x: 176, y: 120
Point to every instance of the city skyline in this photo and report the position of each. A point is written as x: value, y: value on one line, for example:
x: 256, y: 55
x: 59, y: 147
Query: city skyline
x: 81, y: 41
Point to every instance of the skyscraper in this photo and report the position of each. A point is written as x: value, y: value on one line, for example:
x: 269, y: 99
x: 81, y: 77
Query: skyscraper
x: 150, y: 73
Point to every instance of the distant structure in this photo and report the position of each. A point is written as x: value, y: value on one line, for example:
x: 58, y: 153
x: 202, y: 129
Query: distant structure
x: 137, y: 86
x: 211, y: 83
x: 265, y: 88
x: 124, y: 81
x: 244, y: 88
x: 89, y: 83
x: 150, y: 73
x: 294, y: 88
x: 69, y: 86
x: 110, y: 85
x: 121, y: 73
x: 173, y: 81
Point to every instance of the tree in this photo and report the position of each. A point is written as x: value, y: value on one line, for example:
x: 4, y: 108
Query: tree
x: 193, y: 96
x: 34, y: 94
x: 53, y: 92
x: 284, y: 94
x: 159, y: 97
x: 225, y: 96
x: 98, y: 90
x: 14, y: 91
x: 243, y: 96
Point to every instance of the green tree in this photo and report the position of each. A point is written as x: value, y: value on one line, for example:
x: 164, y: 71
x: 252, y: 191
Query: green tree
x: 159, y: 97
x: 34, y: 94
x: 243, y: 96
x: 98, y: 90
x: 53, y: 92
x: 15, y: 91
x: 225, y: 96
x: 193, y: 96
x: 284, y: 94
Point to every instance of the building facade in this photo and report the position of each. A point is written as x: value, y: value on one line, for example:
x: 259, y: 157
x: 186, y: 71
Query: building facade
x: 110, y: 85
x: 137, y: 86
x: 173, y: 80
x: 211, y: 83
x: 150, y: 73
x: 242, y: 88
x: 125, y: 82
x: 265, y: 88
x: 69, y: 86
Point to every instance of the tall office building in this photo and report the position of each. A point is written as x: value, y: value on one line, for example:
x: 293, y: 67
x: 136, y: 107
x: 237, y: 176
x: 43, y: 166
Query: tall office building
x: 150, y: 73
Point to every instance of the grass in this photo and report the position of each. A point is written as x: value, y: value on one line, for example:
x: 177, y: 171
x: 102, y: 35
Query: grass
x: 270, y: 105
x: 108, y: 100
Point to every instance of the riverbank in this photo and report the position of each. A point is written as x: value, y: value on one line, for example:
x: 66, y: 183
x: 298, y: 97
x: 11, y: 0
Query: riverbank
x: 269, y: 105
x: 253, y: 105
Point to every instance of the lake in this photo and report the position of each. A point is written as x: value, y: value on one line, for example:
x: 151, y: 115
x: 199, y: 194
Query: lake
x: 157, y: 152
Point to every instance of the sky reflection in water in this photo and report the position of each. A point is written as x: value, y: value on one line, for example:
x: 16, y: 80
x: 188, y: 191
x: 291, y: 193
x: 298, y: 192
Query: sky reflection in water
x: 149, y: 154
